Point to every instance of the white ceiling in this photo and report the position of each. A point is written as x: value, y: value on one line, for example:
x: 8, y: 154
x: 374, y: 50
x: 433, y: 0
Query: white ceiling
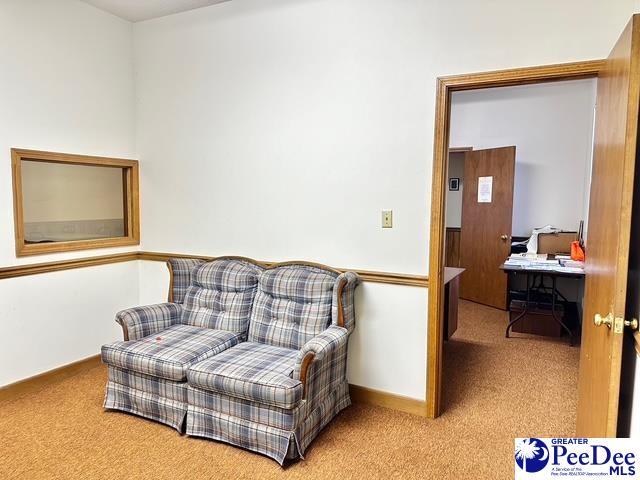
x: 138, y: 10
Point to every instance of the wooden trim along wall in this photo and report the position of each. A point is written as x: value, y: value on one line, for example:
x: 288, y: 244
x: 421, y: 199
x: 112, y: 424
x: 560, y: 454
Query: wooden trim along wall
x: 444, y: 88
x: 48, y: 267
x: 358, y: 394
x: 37, y: 268
x: 366, y: 275
x: 31, y: 384
x: 388, y: 400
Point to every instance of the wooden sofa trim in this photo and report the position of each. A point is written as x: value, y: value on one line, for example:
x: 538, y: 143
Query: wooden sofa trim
x: 170, y: 296
x: 304, y: 371
x: 340, y: 307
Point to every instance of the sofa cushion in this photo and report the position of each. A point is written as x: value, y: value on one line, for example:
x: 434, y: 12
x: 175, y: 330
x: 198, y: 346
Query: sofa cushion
x: 292, y: 305
x: 170, y: 353
x: 256, y: 372
x: 221, y: 295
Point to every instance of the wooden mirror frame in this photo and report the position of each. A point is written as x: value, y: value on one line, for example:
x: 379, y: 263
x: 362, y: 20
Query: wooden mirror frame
x: 130, y: 192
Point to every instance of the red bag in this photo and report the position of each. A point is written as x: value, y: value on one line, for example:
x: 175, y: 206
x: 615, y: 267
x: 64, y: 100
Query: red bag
x: 577, y: 252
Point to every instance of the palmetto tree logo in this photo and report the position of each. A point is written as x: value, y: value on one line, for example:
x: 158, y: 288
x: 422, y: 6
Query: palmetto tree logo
x: 532, y: 455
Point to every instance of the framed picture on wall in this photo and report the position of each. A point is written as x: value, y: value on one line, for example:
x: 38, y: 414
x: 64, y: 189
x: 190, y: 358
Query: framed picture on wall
x: 454, y: 184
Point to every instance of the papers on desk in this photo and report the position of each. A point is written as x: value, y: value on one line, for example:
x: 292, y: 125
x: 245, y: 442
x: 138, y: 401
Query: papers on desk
x: 526, y: 260
x: 570, y: 269
x: 571, y: 266
x: 541, y: 262
x: 531, y: 257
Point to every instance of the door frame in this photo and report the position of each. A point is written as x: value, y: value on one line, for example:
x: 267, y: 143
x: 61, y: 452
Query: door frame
x: 444, y: 88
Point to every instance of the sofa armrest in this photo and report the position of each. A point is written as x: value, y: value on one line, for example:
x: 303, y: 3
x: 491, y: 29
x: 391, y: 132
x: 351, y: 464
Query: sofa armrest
x: 324, y: 353
x: 139, y: 322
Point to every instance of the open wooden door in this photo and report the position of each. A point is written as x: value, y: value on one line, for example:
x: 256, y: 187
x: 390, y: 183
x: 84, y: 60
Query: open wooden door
x: 485, y: 234
x: 612, y: 190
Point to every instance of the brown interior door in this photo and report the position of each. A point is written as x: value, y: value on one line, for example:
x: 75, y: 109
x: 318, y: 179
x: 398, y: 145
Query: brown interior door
x: 485, y: 234
x: 607, y: 253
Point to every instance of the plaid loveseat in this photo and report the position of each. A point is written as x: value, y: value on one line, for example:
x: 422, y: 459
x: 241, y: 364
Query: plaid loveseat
x: 251, y: 356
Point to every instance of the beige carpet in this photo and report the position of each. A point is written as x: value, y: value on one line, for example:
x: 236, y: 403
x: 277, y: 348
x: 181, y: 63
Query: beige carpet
x: 496, y: 389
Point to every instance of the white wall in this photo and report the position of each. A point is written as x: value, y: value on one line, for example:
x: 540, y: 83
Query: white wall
x: 279, y: 130
x: 54, y: 319
x: 453, y: 214
x: 303, y: 118
x: 66, y: 84
x: 551, y: 126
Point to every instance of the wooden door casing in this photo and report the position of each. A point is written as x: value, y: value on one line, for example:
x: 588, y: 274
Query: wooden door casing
x: 482, y: 250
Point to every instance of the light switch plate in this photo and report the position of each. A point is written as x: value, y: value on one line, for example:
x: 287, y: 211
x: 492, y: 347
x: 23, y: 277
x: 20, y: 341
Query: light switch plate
x: 387, y: 218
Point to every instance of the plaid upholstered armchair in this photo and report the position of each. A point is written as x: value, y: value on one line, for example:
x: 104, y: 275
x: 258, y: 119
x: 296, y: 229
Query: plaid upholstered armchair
x: 148, y: 370
x: 269, y: 388
x: 276, y: 391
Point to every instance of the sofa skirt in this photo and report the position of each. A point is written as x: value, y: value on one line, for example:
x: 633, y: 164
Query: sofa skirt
x: 158, y: 399
x: 277, y: 433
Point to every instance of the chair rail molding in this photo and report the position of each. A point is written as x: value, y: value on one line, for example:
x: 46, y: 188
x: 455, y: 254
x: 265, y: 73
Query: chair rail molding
x: 391, y: 278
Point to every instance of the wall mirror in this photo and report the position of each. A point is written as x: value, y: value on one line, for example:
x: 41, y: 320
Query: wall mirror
x: 64, y: 202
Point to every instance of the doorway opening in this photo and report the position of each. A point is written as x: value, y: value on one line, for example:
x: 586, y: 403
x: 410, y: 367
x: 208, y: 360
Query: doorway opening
x: 439, y: 292
x: 526, y: 165
x: 610, y: 310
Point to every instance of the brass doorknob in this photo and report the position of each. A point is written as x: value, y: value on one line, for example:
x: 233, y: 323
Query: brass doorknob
x: 600, y: 320
x: 632, y: 324
x: 504, y: 238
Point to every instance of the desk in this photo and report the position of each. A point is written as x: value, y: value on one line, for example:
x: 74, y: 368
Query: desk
x: 555, y: 294
x: 451, y: 296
